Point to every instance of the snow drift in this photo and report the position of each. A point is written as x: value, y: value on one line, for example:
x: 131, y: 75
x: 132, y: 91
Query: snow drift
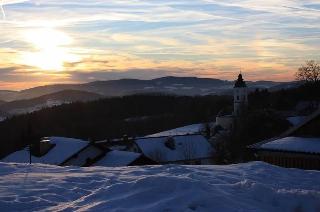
x: 253, y: 186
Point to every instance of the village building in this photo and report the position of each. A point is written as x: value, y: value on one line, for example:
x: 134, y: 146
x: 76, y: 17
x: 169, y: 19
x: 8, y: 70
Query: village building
x: 75, y: 152
x: 99, y: 154
x: 179, y: 149
x: 240, y: 105
x: 86, y: 156
x: 299, y: 147
x: 52, y: 150
x: 123, y: 158
x: 185, y: 130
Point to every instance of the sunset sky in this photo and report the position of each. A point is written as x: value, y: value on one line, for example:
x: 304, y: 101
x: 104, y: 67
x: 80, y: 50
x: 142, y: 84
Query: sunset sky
x: 65, y: 41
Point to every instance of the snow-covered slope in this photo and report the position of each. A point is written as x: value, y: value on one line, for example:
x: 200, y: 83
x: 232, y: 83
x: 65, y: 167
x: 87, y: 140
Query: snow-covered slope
x: 253, y: 186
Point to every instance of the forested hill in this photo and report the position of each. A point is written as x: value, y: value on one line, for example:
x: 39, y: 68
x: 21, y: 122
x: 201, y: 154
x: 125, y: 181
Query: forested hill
x: 110, y: 118
x: 171, y: 85
x: 138, y: 115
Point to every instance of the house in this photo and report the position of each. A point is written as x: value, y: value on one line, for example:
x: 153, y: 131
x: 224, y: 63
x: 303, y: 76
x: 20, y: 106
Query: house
x: 123, y: 158
x: 185, y: 130
x: 86, y: 156
x: 96, y: 154
x: 51, y: 150
x: 299, y: 147
x: 75, y: 152
x: 179, y: 149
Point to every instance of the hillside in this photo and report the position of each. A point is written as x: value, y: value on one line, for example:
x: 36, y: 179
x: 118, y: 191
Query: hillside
x: 170, y: 85
x: 58, y: 98
x: 109, y: 118
x: 254, y: 186
x: 8, y: 95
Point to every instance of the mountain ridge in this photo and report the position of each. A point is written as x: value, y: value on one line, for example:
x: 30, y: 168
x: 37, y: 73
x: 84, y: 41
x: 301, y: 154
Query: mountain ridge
x: 49, y: 100
x: 127, y: 86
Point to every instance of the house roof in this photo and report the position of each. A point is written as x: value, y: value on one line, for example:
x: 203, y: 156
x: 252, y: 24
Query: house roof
x: 86, y: 156
x: 290, y: 131
x: 117, y: 158
x: 63, y: 149
x: 189, y: 129
x: 186, y: 147
x: 294, y: 144
x: 303, y: 123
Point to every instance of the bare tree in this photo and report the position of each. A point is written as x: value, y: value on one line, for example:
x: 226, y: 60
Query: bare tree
x: 310, y: 72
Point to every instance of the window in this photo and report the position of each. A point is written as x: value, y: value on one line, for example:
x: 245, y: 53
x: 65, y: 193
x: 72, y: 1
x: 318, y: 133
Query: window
x: 237, y: 97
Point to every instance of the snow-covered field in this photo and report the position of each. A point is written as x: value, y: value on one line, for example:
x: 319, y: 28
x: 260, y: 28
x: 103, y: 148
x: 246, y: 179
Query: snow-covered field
x: 254, y: 186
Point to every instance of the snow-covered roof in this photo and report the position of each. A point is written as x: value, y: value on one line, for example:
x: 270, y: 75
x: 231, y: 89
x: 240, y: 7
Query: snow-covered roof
x: 118, y: 158
x: 189, y: 129
x: 187, y: 147
x: 294, y: 144
x: 63, y: 149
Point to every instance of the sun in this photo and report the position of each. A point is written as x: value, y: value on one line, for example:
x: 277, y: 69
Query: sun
x: 51, y: 49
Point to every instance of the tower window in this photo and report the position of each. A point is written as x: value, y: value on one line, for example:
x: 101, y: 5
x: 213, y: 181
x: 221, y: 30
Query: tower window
x: 237, y: 97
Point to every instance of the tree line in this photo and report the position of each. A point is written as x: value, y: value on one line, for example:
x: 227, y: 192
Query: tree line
x: 135, y: 115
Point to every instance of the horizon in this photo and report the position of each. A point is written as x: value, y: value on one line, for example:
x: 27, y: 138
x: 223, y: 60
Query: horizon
x: 54, y: 42
x: 75, y: 83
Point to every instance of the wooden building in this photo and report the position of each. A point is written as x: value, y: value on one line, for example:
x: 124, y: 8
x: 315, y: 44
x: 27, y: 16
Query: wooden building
x: 98, y: 154
x: 299, y: 147
x: 193, y: 149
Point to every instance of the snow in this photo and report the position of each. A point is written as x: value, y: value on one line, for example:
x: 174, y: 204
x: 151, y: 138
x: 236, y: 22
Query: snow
x: 186, y: 147
x: 296, y: 144
x: 2, y: 118
x: 254, y: 186
x: 296, y: 120
x: 118, y: 147
x: 64, y: 148
x: 49, y: 103
x: 189, y: 129
x: 118, y: 158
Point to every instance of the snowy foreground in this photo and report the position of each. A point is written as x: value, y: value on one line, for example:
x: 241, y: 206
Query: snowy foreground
x: 253, y: 186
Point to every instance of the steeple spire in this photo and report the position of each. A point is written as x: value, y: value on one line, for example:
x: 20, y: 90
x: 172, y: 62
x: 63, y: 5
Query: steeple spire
x: 240, y: 83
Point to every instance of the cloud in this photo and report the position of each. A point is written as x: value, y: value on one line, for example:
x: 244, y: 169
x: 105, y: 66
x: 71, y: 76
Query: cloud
x: 268, y: 39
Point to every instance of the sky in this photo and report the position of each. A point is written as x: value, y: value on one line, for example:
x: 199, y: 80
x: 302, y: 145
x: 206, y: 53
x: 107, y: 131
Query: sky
x: 54, y: 41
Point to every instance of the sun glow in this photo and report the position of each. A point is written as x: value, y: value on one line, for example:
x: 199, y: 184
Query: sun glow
x: 51, y: 49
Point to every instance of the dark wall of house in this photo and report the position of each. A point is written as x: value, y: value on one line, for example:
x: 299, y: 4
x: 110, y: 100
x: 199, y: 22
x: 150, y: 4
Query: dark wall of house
x: 311, y: 129
x: 290, y: 159
x: 143, y: 160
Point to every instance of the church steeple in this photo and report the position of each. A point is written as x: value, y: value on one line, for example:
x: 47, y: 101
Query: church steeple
x: 240, y: 96
x: 240, y: 82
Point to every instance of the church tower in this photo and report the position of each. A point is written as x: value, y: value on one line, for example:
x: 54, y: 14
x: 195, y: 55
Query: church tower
x: 240, y: 96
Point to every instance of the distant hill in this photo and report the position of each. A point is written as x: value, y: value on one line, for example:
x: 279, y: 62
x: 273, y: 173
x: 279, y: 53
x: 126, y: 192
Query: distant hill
x: 173, y: 85
x: 58, y: 98
x: 2, y: 102
x: 7, y: 95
